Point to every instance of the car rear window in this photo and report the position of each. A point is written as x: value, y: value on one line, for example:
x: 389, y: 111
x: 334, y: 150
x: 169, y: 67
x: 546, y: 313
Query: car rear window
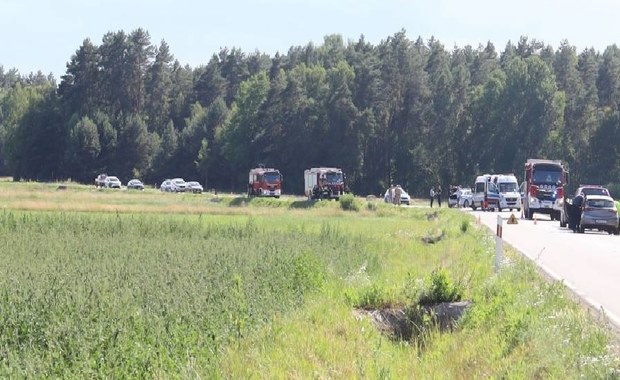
x: 600, y: 203
x: 594, y: 191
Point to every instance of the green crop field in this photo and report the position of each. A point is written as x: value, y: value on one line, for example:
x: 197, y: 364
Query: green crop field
x: 120, y: 284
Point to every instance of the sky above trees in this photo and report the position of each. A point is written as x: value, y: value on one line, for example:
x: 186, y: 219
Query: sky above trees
x: 43, y: 35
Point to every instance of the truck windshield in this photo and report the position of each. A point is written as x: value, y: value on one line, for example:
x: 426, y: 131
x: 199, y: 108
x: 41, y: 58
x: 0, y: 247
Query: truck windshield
x: 334, y: 178
x: 546, y: 176
x: 508, y: 187
x: 272, y: 177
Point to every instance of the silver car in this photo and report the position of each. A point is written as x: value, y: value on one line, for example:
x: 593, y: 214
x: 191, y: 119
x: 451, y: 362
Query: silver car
x: 166, y: 185
x: 599, y: 213
x: 179, y: 185
x: 112, y: 182
x: 194, y: 187
x: 176, y: 185
x: 135, y: 184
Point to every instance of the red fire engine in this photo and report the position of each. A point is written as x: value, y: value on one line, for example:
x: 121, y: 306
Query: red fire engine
x: 543, y: 188
x: 265, y: 182
x: 324, y: 183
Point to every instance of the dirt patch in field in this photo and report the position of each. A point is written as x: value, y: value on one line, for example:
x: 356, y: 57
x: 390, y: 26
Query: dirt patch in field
x: 432, y: 216
x: 433, y: 237
x: 408, y: 323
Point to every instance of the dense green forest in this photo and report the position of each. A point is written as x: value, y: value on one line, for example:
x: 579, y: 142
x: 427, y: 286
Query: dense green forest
x: 404, y: 111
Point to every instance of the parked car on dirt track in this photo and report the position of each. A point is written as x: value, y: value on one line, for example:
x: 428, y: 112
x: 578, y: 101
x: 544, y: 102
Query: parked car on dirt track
x: 135, y: 184
x: 166, y: 185
x: 599, y: 213
x: 112, y: 182
x: 194, y: 187
x: 405, y: 198
x: 100, y: 180
x: 176, y: 185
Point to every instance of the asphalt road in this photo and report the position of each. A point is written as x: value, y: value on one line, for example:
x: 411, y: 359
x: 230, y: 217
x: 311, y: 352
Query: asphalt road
x: 589, y: 263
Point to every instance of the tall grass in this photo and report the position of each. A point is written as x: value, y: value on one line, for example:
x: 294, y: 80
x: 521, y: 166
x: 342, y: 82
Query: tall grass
x: 123, y: 296
x: 519, y: 326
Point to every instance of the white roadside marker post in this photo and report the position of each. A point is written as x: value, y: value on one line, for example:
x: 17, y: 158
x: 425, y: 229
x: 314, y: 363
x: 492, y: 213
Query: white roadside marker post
x: 499, y: 251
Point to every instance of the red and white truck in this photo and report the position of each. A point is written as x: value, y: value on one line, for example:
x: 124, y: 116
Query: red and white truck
x: 265, y: 182
x: 543, y: 187
x: 324, y: 183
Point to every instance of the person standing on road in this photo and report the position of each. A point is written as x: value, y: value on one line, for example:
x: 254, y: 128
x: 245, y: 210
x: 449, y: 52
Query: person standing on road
x: 576, y: 211
x: 438, y: 195
x: 432, y: 195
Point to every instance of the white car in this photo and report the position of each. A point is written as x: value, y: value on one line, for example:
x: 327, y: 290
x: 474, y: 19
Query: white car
x: 112, y: 182
x: 404, y: 197
x: 464, y: 198
x: 179, y: 185
x: 176, y: 185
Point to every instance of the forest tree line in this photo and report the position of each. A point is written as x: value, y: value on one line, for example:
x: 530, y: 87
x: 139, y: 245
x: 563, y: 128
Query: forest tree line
x: 408, y: 112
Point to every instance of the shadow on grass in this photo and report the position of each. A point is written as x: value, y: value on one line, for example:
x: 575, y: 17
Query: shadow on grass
x: 306, y: 203
x: 299, y: 204
x: 240, y: 201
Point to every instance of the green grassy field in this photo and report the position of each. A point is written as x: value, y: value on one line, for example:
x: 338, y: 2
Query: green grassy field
x: 102, y: 284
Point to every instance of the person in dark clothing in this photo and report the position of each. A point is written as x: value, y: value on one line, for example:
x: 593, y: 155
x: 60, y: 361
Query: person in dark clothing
x: 438, y: 195
x: 576, y: 211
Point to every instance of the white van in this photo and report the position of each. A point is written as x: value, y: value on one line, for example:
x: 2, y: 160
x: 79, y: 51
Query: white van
x: 485, y: 194
x: 510, y: 197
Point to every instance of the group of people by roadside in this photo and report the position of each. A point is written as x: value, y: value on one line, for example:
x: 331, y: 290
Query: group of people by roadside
x: 393, y: 195
x: 435, y: 193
